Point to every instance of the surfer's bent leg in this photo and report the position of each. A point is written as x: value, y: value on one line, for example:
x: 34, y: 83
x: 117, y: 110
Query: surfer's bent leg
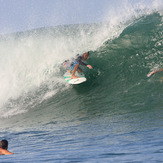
x: 73, y: 71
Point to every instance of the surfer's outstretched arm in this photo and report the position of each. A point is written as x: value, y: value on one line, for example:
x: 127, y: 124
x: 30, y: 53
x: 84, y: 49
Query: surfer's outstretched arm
x: 155, y: 71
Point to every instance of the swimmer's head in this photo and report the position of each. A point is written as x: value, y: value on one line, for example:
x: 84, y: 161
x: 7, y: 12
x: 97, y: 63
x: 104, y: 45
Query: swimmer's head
x: 4, y: 144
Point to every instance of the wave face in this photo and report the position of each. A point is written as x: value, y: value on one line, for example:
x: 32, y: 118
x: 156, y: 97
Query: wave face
x: 117, y: 97
x: 122, y: 55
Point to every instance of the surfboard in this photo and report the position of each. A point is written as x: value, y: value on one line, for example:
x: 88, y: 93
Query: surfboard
x: 81, y: 79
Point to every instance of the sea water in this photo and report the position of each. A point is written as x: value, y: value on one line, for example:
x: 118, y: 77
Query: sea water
x: 116, y: 116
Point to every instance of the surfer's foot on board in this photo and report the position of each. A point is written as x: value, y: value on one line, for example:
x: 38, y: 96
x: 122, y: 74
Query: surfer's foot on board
x: 74, y: 77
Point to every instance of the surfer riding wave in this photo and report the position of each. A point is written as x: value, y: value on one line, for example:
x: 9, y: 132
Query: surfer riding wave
x: 73, y: 66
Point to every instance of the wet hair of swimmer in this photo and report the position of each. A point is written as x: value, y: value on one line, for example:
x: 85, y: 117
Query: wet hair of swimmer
x: 4, y: 144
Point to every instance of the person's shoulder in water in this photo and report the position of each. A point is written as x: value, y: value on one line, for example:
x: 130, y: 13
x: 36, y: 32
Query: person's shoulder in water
x: 4, y: 147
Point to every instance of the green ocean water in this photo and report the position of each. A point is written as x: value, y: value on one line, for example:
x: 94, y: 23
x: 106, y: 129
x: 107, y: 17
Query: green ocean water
x: 116, y: 116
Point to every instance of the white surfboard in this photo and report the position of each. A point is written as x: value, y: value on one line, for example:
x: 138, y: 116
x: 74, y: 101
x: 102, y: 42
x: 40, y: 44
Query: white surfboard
x: 81, y: 79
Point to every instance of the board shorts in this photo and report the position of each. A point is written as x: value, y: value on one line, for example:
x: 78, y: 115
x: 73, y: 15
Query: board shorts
x: 73, y: 65
x: 70, y: 66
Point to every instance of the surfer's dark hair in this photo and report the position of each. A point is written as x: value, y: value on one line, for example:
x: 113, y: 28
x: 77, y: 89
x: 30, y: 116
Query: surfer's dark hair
x: 4, y: 144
